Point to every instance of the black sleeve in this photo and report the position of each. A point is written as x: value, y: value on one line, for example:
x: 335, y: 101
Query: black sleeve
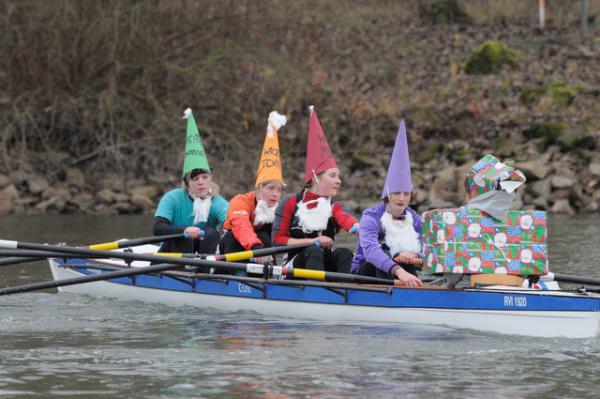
x: 162, y: 226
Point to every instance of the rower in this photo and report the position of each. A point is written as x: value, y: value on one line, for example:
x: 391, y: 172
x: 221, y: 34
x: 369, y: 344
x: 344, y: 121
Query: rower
x: 250, y: 216
x: 390, y: 231
x: 313, y: 215
x: 195, y: 209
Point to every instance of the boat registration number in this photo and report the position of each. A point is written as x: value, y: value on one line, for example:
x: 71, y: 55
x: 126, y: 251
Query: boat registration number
x: 515, y: 301
x: 244, y: 289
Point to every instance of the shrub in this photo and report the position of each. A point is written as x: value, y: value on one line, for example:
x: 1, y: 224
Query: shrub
x: 490, y: 58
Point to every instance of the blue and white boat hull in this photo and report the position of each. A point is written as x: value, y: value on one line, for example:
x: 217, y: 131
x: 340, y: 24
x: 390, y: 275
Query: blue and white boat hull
x: 502, y: 310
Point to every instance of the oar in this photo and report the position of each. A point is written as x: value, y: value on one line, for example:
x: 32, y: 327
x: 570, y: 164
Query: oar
x: 158, y: 258
x: 88, y: 279
x: 328, y: 276
x: 567, y: 278
x: 245, y: 255
x: 25, y: 255
x: 103, y: 246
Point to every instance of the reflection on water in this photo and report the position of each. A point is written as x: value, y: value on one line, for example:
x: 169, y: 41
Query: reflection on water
x: 69, y: 345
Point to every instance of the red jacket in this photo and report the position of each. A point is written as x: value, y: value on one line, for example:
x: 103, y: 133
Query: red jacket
x: 285, y: 215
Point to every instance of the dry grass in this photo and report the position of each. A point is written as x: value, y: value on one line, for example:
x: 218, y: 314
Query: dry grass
x: 101, y: 84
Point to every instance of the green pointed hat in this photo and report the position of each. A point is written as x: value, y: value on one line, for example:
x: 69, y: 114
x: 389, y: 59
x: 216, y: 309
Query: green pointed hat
x: 195, y: 157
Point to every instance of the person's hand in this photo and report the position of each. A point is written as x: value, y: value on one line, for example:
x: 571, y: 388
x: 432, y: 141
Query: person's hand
x: 264, y: 260
x: 408, y: 279
x: 193, y: 232
x: 404, y: 258
x: 326, y: 242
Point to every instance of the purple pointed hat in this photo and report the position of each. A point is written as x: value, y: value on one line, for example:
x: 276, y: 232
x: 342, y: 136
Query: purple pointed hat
x: 398, y: 177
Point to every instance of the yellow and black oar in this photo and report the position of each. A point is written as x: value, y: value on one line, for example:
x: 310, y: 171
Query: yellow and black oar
x: 243, y: 255
x: 157, y: 258
x: 106, y: 246
x: 334, y: 276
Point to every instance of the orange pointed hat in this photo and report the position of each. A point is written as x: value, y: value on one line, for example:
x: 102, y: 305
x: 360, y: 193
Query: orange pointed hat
x: 269, y: 166
x: 318, y: 154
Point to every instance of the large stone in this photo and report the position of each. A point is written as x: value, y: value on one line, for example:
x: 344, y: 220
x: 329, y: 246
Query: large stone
x: 563, y: 193
x: 133, y: 183
x: 75, y: 177
x: 142, y: 201
x: 562, y: 206
x: 540, y: 203
x: 541, y: 188
x: 4, y: 181
x: 121, y: 197
x: 147, y: 191
x: 106, y: 195
x: 51, y: 205
x: 435, y: 201
x: 37, y: 184
x: 113, y: 182
x: 592, y: 206
x: 595, y: 169
x: 125, y: 207
x: 83, y: 201
x: 561, y: 181
x: 536, y: 168
x: 8, y: 195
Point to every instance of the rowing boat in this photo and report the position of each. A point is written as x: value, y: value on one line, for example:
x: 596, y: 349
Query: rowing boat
x: 500, y: 309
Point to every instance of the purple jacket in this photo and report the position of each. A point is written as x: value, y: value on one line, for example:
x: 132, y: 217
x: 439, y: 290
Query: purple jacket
x: 371, y: 237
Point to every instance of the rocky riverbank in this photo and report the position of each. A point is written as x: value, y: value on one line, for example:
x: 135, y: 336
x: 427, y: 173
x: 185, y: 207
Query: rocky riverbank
x: 553, y: 184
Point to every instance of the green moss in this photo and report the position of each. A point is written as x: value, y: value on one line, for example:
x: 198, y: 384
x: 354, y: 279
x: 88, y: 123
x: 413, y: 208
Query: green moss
x: 578, y: 143
x: 429, y: 153
x: 548, y: 132
x: 489, y: 58
x: 563, y: 96
x: 460, y: 156
x: 444, y: 12
x: 532, y: 95
x: 503, y: 146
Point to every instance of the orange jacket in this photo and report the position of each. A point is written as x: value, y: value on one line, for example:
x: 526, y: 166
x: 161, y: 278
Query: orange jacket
x: 240, y: 220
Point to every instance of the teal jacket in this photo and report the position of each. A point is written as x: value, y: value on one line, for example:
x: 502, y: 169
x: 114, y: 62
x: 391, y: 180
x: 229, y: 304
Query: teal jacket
x: 178, y: 207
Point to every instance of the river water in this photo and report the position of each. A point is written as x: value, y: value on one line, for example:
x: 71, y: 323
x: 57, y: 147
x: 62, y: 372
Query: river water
x: 73, y: 346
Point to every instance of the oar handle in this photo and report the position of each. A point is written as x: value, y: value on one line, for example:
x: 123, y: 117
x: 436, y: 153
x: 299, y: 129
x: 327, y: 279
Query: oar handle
x: 244, y: 255
x: 202, y: 234
x: 323, y: 275
x: 107, y: 246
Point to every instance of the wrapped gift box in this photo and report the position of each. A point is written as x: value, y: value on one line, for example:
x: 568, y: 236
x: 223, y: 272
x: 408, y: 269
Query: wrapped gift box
x: 468, y: 241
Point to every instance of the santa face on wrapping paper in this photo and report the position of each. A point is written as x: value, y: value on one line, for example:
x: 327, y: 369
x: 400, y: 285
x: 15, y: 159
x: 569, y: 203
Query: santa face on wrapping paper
x: 500, y: 240
x: 474, y: 230
x: 449, y: 217
x: 526, y: 256
x: 479, y: 180
x: 526, y: 222
x: 441, y: 236
x: 474, y: 265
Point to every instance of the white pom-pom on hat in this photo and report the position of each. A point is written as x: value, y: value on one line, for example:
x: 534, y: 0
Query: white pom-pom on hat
x: 187, y: 113
x: 275, y: 122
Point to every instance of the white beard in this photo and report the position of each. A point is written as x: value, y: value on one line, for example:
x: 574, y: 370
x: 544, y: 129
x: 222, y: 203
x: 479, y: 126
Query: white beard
x: 314, y: 219
x: 400, y: 235
x: 263, y: 214
x: 201, y: 209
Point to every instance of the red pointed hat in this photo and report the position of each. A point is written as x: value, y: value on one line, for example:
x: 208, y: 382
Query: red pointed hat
x: 318, y: 154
